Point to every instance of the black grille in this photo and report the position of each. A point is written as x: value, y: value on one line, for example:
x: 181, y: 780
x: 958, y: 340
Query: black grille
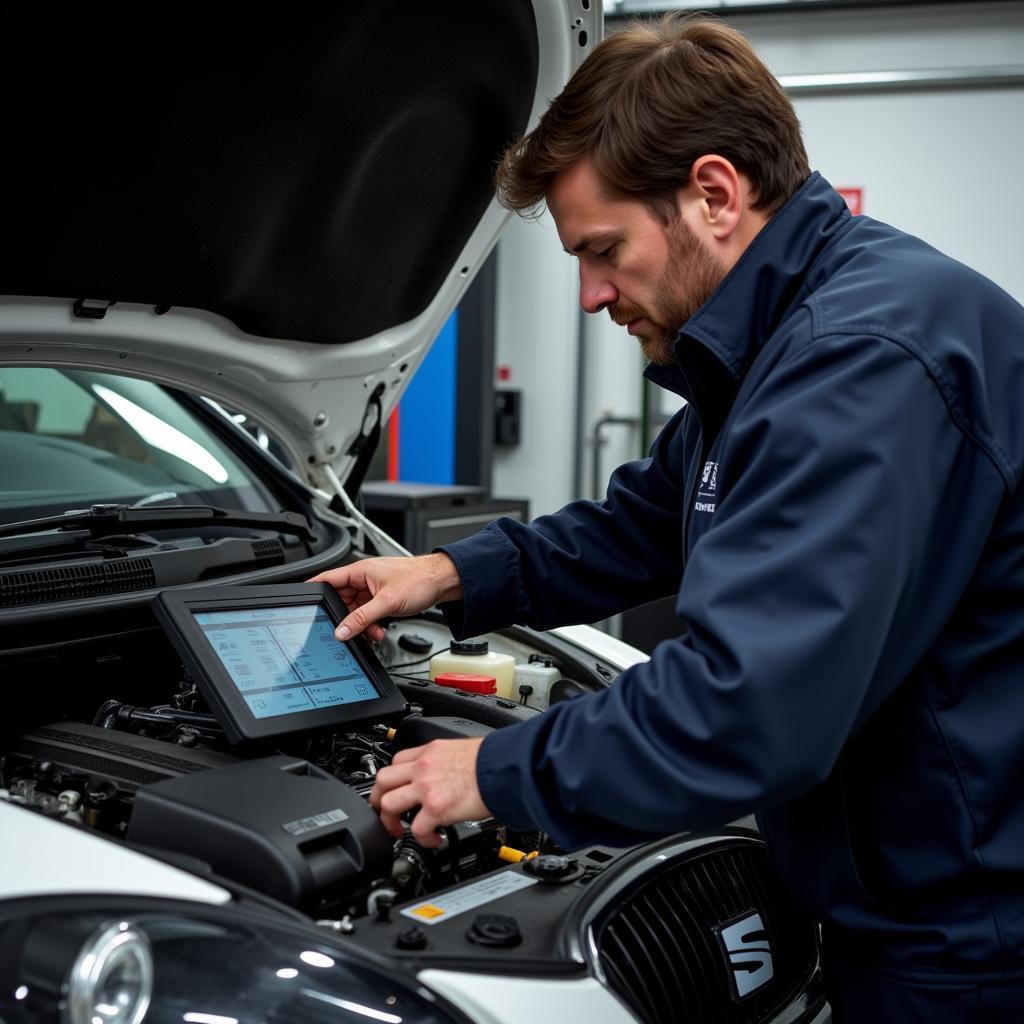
x: 119, y: 745
x: 123, y: 758
x: 661, y: 952
x: 93, y: 763
x: 65, y: 583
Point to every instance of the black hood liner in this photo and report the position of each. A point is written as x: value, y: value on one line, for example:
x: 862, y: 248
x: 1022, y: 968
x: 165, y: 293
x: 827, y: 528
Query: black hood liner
x: 307, y: 171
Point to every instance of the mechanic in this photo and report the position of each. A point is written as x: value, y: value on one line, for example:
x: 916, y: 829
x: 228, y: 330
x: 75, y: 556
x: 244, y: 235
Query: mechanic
x: 838, y: 508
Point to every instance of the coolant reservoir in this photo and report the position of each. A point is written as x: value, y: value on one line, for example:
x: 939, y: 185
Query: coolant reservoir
x: 534, y: 681
x: 475, y: 657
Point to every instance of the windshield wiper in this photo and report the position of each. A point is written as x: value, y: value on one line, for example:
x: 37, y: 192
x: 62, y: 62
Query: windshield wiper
x: 106, y: 520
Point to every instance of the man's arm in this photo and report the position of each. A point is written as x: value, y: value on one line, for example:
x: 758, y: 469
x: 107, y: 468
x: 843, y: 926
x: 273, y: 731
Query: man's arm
x: 376, y: 588
x: 826, y: 575
x: 590, y: 559
x: 836, y: 555
x: 585, y: 562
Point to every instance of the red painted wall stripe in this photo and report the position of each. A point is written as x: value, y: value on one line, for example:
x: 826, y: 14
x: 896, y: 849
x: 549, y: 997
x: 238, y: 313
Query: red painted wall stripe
x: 393, y: 432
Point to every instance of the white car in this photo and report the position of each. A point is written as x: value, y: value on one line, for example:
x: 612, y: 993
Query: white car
x: 220, y: 212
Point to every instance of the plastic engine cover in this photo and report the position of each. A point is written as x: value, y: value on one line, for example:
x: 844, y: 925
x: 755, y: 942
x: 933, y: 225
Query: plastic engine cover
x: 278, y: 825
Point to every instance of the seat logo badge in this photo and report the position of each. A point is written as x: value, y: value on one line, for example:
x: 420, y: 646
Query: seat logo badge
x: 748, y: 954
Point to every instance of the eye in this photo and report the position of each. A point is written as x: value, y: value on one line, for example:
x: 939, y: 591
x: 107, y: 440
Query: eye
x: 606, y: 254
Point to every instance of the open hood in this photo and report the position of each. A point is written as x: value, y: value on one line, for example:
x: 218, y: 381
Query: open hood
x: 276, y: 207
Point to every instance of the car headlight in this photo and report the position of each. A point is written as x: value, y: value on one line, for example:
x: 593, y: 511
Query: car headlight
x: 153, y: 963
x: 111, y: 982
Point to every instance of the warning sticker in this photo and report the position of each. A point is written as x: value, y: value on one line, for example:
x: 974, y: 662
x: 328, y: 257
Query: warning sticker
x: 469, y: 897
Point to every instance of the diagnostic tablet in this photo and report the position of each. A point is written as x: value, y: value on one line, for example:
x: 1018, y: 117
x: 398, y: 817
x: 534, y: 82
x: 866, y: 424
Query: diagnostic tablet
x: 267, y: 662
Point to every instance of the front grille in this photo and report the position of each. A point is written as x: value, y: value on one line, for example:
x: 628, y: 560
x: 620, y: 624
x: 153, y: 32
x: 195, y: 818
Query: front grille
x: 662, y: 954
x: 65, y: 583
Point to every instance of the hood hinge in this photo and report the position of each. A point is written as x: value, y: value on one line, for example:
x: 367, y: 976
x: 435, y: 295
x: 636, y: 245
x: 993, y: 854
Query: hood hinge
x: 366, y: 442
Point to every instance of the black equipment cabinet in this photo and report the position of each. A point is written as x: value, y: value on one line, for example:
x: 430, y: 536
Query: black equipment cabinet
x: 422, y: 516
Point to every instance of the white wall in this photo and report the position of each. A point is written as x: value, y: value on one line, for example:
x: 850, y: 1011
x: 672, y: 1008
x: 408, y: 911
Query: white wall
x: 535, y: 338
x: 944, y: 164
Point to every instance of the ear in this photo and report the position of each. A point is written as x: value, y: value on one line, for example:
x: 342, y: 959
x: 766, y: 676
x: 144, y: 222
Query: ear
x: 720, y: 193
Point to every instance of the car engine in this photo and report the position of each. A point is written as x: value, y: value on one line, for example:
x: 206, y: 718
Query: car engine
x: 162, y: 777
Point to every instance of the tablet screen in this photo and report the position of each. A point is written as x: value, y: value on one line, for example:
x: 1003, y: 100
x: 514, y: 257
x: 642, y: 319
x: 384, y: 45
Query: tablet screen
x: 285, y: 660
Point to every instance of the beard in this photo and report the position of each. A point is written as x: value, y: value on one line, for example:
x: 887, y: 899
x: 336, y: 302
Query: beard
x: 690, y: 276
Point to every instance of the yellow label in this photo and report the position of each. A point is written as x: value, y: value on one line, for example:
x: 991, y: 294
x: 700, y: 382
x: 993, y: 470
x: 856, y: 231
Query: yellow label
x: 427, y: 911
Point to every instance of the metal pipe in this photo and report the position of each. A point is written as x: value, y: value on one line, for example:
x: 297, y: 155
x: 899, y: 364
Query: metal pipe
x: 902, y: 81
x: 630, y: 8
x: 597, y: 442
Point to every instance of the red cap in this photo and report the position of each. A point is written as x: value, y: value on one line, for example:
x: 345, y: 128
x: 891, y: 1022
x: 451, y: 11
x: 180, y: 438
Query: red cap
x: 468, y: 681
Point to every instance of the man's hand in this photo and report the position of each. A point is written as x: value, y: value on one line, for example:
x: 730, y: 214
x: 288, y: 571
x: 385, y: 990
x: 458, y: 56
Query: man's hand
x: 375, y: 588
x: 440, y: 779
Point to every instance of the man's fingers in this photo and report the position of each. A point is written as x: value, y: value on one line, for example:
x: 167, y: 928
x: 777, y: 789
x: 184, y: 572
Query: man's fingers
x: 387, y: 799
x: 393, y: 825
x: 374, y: 631
x: 398, y: 801
x: 424, y: 830
x: 366, y: 615
x: 393, y: 805
x: 388, y: 779
x: 351, y: 588
x: 406, y: 755
x: 339, y: 577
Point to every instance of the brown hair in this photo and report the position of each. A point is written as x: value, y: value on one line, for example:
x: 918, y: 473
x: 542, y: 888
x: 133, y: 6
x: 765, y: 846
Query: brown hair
x: 647, y: 103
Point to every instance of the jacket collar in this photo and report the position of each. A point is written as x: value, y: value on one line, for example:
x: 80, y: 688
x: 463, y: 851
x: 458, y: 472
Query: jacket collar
x: 755, y: 296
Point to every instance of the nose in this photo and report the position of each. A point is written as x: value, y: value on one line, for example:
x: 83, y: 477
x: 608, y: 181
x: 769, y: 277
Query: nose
x: 596, y: 291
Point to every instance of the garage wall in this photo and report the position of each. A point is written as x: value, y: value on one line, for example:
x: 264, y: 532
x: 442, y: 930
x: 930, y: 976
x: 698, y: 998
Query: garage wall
x: 944, y: 164
x: 535, y: 343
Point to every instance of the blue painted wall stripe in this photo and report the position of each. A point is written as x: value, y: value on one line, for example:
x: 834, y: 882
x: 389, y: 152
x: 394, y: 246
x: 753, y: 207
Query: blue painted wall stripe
x: 426, y: 449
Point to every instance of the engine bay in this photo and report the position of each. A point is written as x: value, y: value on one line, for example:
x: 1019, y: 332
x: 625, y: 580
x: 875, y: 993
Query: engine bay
x: 127, y: 741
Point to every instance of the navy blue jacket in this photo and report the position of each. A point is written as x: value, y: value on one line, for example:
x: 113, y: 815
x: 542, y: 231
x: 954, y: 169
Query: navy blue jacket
x: 839, y: 509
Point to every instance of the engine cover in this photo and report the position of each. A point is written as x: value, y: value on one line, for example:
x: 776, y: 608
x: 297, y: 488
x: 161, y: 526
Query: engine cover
x: 276, y: 824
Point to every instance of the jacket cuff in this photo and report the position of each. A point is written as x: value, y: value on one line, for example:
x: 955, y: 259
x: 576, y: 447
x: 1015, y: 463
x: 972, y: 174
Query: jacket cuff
x: 488, y: 568
x: 495, y: 777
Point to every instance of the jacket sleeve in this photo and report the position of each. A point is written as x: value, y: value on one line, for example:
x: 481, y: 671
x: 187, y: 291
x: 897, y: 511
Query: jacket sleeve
x: 825, y: 574
x: 585, y: 562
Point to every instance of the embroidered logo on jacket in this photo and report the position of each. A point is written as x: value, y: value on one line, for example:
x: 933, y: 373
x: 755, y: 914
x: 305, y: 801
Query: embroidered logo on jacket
x: 708, y: 488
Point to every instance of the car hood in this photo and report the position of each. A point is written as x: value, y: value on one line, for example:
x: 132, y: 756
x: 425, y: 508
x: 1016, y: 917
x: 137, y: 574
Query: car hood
x: 277, y: 212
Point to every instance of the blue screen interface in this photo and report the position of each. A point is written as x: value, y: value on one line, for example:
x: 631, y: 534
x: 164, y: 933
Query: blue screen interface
x: 285, y: 660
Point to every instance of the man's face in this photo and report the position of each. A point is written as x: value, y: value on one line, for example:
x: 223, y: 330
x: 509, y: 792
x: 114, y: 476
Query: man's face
x: 651, y: 277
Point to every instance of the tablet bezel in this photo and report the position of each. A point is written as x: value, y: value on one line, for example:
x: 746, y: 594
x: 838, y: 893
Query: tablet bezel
x: 176, y: 610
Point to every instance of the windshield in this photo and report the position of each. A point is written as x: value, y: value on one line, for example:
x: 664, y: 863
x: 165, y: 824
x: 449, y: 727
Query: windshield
x: 73, y: 438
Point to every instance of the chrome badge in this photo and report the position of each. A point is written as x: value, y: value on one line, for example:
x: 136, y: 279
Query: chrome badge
x: 748, y: 954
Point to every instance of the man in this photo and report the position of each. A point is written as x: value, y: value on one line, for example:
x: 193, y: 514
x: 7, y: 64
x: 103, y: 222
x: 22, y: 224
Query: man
x: 838, y: 508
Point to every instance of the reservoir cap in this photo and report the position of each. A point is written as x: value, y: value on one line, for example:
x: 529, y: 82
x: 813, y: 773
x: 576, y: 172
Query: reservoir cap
x: 470, y: 647
x: 468, y: 681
